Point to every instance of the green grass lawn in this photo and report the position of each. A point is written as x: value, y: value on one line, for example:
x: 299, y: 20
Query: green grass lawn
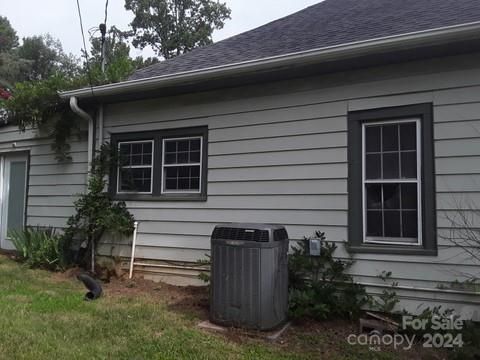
x: 43, y: 316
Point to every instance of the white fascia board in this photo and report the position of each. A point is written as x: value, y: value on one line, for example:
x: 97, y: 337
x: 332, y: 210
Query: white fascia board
x: 337, y: 52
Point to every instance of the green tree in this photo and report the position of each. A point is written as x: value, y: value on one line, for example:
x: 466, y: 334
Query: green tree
x: 46, y: 58
x: 142, y: 63
x: 12, y: 68
x: 10, y: 65
x: 118, y: 63
x: 8, y: 36
x: 37, y: 104
x: 173, y: 27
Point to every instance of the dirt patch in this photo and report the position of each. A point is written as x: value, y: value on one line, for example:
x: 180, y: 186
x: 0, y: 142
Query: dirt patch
x: 189, y: 300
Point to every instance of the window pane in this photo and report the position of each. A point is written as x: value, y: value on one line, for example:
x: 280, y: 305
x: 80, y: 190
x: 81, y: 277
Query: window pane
x: 183, y: 145
x: 136, y: 154
x: 182, y: 151
x: 125, y: 154
x: 182, y: 178
x: 373, y: 166
x: 195, y: 145
x: 392, y: 223
x: 170, y: 146
x: 408, y: 136
x: 147, y: 159
x: 391, y: 196
x: 183, y: 172
x: 372, y: 138
x: 171, y: 183
x: 374, y: 223
x: 125, y: 149
x: 136, y: 160
x: 136, y: 148
x: 195, y: 156
x: 390, y: 166
x: 171, y: 172
x: 409, y: 196
x: 409, y: 165
x: 170, y: 158
x: 195, y: 171
x: 147, y: 148
x: 195, y: 183
x: 374, y: 196
x: 390, y: 137
x: 410, y: 224
x: 182, y: 157
x: 183, y: 184
x: 135, y: 180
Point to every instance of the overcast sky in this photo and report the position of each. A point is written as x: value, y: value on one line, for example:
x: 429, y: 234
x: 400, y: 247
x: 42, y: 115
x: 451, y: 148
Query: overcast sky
x: 60, y: 17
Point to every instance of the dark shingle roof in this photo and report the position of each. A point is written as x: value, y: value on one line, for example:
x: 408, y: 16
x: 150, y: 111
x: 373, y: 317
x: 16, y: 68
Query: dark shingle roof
x: 332, y: 22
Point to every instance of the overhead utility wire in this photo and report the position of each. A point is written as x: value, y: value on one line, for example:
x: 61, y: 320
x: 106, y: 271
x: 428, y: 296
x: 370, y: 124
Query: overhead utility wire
x: 85, y: 48
x: 106, y: 13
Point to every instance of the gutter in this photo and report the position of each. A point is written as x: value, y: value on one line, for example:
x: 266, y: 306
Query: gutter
x: 336, y: 52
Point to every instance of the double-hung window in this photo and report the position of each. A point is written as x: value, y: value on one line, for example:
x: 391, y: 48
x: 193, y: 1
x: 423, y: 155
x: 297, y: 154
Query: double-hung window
x: 135, y: 167
x: 160, y: 165
x: 391, y: 180
x: 182, y: 165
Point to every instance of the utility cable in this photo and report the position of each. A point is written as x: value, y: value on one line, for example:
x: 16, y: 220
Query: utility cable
x: 85, y: 48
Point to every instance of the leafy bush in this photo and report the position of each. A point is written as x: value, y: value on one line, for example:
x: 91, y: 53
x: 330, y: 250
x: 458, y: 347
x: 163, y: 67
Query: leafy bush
x: 471, y: 343
x: 320, y: 288
x: 95, y: 212
x: 39, y: 248
x: 388, y: 299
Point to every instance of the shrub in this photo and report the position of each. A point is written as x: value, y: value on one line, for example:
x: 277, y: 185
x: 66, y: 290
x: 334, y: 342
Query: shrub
x: 471, y: 343
x: 39, y: 248
x: 388, y: 299
x: 320, y: 288
x: 96, y: 213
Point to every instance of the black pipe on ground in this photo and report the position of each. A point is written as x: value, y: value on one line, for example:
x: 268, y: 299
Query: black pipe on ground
x: 94, y: 287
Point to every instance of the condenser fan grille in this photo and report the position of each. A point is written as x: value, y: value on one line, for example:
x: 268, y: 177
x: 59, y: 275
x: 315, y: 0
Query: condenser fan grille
x: 228, y: 233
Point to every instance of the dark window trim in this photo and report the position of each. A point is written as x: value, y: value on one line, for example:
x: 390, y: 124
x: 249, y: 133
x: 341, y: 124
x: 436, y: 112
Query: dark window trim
x: 157, y: 136
x: 355, y: 209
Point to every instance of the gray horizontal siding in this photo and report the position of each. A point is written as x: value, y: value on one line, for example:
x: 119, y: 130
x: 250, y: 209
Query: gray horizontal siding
x: 282, y: 172
x: 279, y: 187
x: 52, y: 185
x: 278, y: 153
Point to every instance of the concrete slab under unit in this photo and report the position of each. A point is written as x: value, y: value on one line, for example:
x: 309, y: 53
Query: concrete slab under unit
x: 270, y: 335
x: 210, y: 326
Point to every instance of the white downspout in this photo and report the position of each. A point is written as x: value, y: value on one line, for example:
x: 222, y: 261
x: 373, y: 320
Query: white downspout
x: 91, y: 142
x: 85, y: 116
x: 100, y: 117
